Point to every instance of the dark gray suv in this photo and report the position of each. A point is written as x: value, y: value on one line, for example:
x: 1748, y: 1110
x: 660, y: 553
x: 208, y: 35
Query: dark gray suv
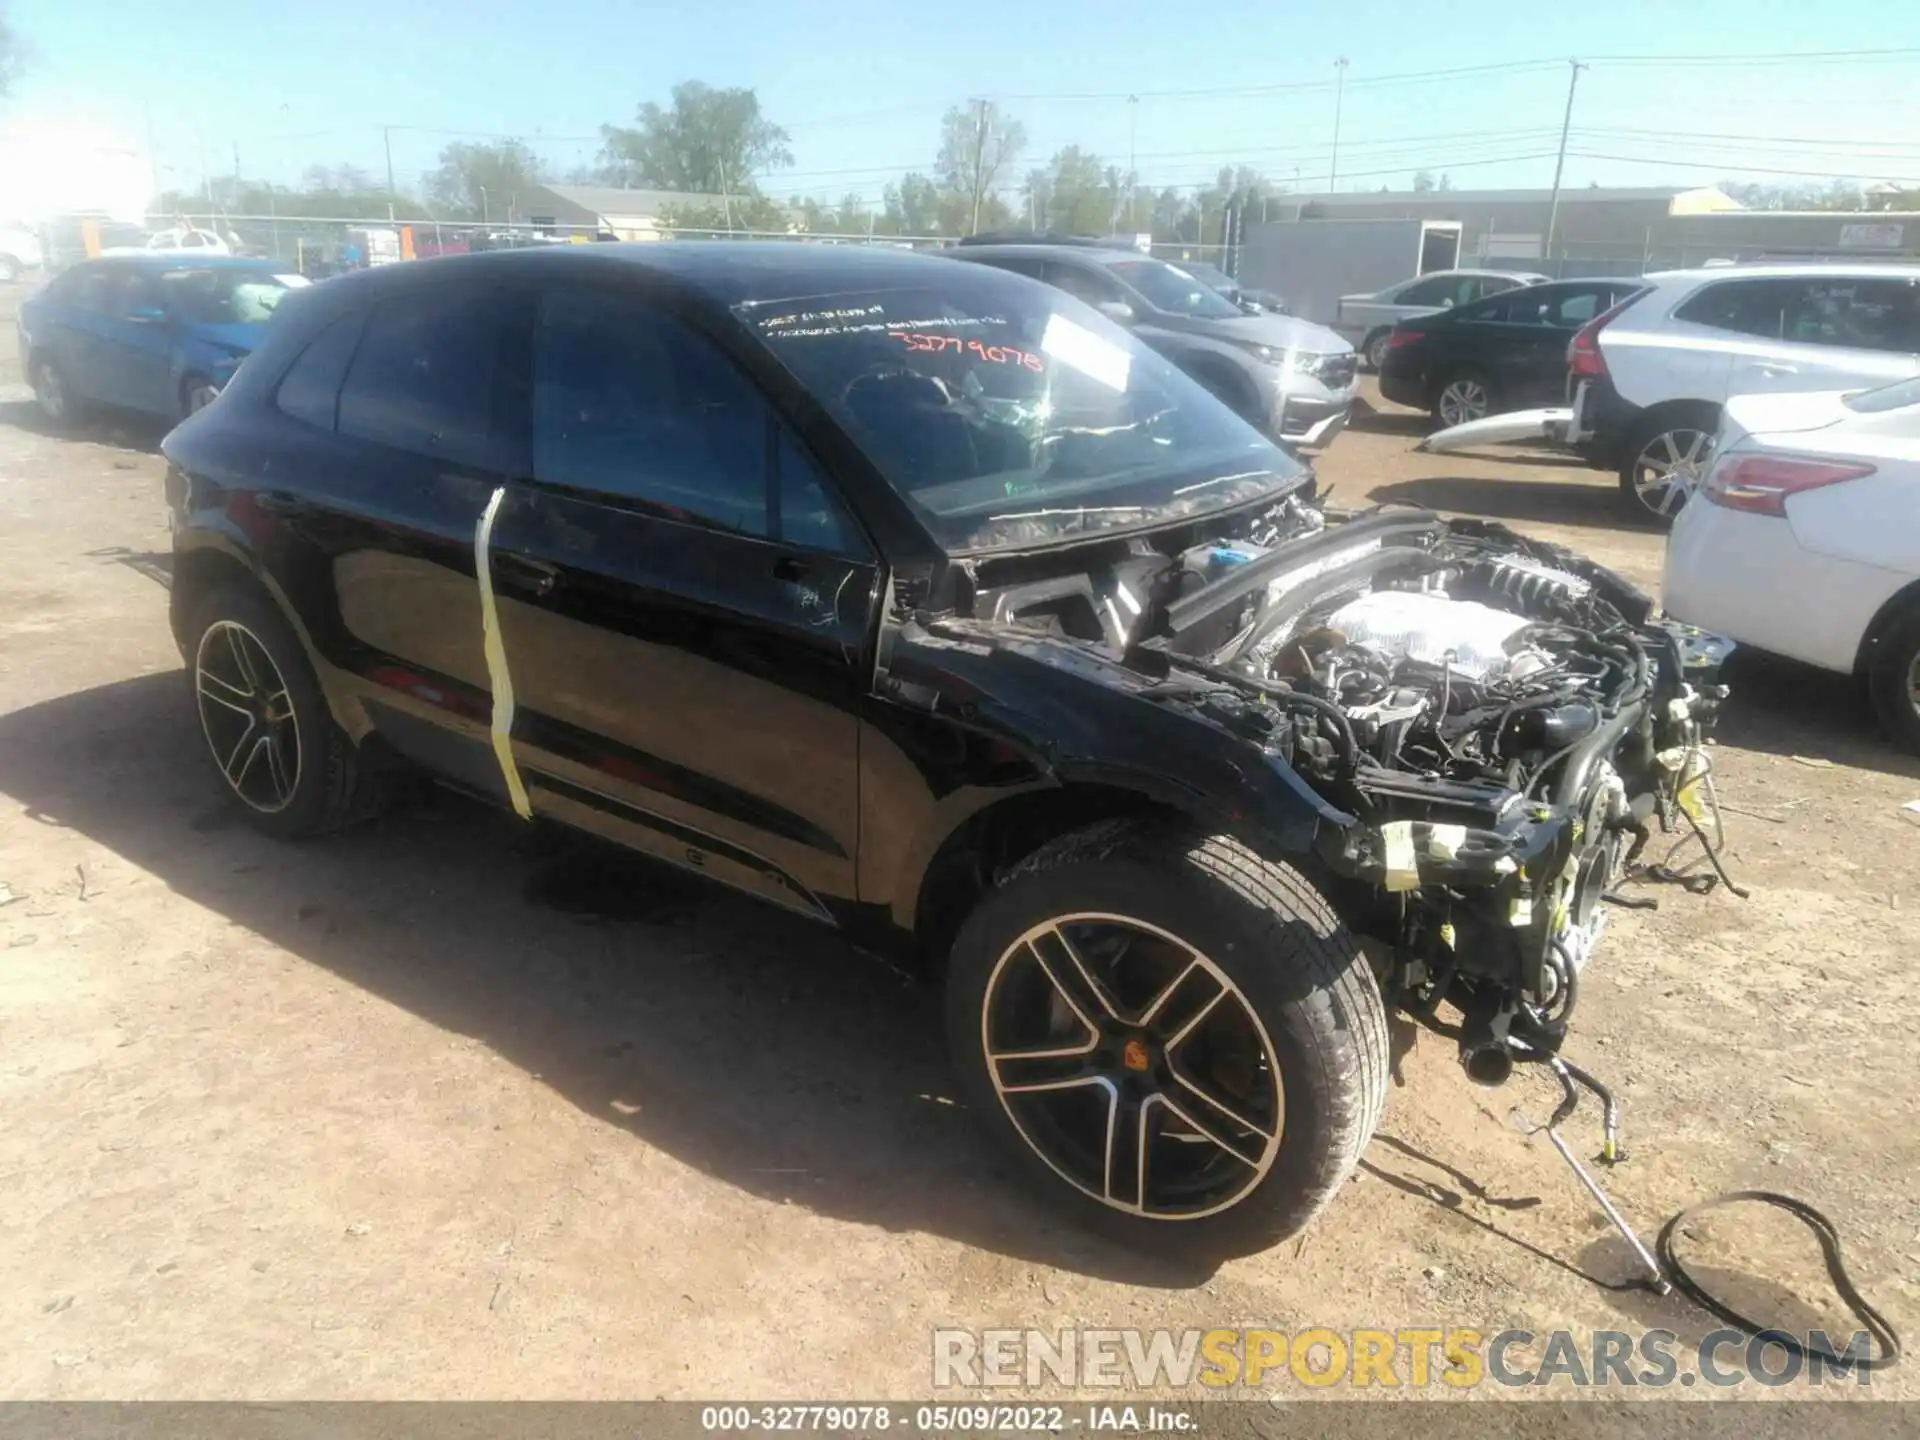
x: 1291, y: 378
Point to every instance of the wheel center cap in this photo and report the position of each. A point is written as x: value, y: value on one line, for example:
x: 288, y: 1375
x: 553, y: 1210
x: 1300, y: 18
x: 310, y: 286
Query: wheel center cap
x: 1135, y: 1055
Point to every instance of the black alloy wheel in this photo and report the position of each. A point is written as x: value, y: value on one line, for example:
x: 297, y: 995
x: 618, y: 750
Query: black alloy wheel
x: 1175, y: 1038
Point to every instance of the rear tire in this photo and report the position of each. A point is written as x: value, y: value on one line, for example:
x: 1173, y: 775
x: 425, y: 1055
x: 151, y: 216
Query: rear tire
x: 1254, y: 1113
x: 196, y: 393
x: 264, y: 722
x: 1893, y: 678
x: 1665, y: 459
x: 58, y: 403
x: 1464, y: 395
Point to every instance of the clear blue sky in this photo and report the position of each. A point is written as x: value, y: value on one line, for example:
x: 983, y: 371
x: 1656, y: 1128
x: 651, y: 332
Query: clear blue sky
x: 861, y: 84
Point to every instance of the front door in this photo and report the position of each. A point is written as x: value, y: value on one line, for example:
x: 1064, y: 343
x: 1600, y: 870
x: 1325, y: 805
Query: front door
x: 685, y: 608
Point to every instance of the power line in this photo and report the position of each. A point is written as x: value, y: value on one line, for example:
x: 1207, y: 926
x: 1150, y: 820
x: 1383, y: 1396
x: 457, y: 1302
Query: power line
x: 1725, y: 165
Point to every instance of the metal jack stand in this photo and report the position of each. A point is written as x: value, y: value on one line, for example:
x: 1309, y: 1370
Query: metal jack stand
x: 1610, y: 1153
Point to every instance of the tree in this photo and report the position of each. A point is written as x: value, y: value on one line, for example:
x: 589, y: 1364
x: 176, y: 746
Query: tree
x: 479, y: 180
x: 1072, y: 194
x: 12, y: 58
x: 914, y: 206
x: 979, y: 144
x: 742, y: 213
x: 1422, y: 181
x: 708, y: 142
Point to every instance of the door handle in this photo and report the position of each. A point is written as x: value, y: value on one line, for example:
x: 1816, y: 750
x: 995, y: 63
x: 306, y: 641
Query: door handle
x: 1766, y: 368
x: 523, y: 572
x: 791, y: 568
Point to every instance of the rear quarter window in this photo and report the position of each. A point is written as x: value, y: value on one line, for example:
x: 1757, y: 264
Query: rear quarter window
x: 310, y: 390
x: 422, y: 378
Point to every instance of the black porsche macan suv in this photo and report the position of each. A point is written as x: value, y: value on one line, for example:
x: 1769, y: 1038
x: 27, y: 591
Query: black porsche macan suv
x: 916, y: 598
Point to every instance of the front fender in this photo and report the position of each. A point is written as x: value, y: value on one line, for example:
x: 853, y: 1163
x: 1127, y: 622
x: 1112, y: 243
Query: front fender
x: 1078, y: 718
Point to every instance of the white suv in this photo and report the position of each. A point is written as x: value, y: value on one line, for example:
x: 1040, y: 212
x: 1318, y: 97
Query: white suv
x: 1652, y: 374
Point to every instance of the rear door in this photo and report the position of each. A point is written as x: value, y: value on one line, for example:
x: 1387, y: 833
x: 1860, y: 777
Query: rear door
x: 1843, y: 333
x: 1533, y: 326
x: 390, y: 449
x: 685, y: 607
x: 133, y: 345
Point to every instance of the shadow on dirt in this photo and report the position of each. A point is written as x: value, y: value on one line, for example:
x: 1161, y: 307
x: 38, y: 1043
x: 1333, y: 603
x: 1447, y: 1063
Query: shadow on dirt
x: 752, y: 1045
x: 1781, y: 707
x: 124, y: 430
x: 1588, y: 504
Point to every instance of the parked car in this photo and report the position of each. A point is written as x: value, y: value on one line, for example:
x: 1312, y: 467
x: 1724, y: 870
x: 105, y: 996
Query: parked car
x: 20, y: 251
x: 1805, y: 538
x: 1498, y: 354
x: 177, y: 240
x: 1653, y: 373
x: 1258, y: 302
x: 1288, y: 378
x: 920, y: 600
x: 1367, y: 320
x: 159, y: 334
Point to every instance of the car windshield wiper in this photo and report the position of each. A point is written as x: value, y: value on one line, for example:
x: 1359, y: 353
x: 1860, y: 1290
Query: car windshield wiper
x: 1080, y: 511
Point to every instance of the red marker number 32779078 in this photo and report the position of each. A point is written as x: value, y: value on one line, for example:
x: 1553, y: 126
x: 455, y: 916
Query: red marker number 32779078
x: 995, y: 354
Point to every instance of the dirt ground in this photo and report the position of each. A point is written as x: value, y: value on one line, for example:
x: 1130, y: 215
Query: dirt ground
x: 420, y: 1112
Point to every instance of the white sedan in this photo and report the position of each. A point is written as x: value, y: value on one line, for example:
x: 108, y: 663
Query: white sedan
x: 1804, y: 539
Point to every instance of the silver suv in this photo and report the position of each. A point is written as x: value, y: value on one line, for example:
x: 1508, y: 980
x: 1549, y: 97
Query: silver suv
x: 1290, y: 378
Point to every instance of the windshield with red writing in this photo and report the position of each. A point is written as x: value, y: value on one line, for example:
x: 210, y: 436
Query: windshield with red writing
x: 1011, y: 415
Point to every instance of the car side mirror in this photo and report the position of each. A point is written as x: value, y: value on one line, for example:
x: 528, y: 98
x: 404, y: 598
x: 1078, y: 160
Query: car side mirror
x: 1447, y: 304
x: 147, y: 315
x: 1118, y: 311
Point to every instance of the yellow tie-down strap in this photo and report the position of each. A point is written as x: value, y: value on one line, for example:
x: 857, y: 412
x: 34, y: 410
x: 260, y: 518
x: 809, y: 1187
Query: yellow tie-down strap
x: 496, y: 654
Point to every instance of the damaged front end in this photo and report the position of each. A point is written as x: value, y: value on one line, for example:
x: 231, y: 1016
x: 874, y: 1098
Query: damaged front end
x: 1467, y: 736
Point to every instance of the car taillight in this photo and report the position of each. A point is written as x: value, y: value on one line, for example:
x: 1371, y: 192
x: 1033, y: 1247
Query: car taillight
x: 1402, y: 337
x: 1584, y: 360
x: 1762, y: 484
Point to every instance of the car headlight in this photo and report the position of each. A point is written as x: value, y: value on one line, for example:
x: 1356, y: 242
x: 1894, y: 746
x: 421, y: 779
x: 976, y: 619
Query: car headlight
x: 1297, y: 361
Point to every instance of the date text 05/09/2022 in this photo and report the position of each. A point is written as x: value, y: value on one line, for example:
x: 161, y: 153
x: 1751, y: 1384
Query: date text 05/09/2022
x: 976, y: 1419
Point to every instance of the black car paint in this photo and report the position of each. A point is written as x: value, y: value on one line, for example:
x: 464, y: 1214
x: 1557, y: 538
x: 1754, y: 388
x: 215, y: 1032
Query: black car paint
x: 1523, y: 364
x: 822, y: 751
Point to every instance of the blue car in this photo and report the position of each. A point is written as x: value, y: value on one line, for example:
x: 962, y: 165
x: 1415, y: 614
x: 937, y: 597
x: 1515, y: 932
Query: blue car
x: 158, y: 334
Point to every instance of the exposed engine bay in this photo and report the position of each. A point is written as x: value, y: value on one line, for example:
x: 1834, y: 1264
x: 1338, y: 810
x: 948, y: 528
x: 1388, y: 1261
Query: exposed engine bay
x: 1502, y: 722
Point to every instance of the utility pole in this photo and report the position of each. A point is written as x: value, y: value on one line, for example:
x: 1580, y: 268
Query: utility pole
x: 979, y: 157
x: 1133, y: 138
x: 1339, y: 94
x: 386, y: 137
x: 1560, y: 164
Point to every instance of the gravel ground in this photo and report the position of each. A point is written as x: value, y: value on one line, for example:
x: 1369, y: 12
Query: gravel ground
x: 415, y: 1112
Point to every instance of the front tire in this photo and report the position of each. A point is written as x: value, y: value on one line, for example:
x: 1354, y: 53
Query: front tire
x: 264, y: 722
x: 1373, y: 349
x: 1176, y: 1039
x: 1893, y: 678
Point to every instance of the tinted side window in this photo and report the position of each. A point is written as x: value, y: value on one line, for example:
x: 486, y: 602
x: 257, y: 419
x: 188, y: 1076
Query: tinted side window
x: 310, y: 391
x: 1432, y: 291
x: 1490, y: 285
x: 1084, y: 282
x: 423, y: 377
x: 630, y: 403
x: 1746, y: 307
x: 92, y: 290
x: 1859, y: 314
x: 1019, y: 266
x: 809, y: 514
